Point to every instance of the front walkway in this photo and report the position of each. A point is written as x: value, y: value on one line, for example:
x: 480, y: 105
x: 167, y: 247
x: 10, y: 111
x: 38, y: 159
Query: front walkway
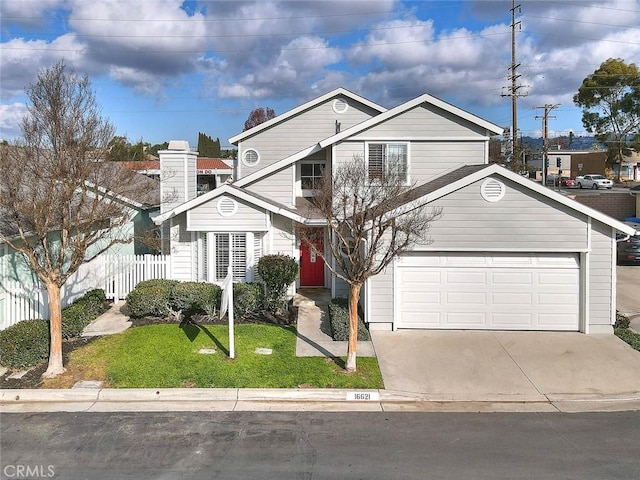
x: 314, y: 337
x: 111, y: 321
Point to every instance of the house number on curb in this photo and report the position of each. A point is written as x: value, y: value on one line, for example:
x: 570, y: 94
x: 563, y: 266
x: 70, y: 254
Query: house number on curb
x: 363, y: 396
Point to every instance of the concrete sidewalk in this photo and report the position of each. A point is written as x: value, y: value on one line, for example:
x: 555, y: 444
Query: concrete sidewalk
x: 110, y: 322
x: 314, y: 333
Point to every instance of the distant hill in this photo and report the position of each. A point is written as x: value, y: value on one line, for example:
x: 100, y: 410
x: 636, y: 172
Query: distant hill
x: 579, y: 143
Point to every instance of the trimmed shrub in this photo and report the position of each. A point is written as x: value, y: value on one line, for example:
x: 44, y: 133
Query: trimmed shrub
x: 194, y: 297
x: 622, y: 321
x: 24, y: 344
x: 277, y: 272
x: 247, y: 298
x: 157, y: 282
x: 339, y: 321
x: 149, y: 300
x: 82, y: 312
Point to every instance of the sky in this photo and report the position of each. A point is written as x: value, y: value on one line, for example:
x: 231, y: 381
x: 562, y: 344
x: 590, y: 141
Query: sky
x: 168, y: 69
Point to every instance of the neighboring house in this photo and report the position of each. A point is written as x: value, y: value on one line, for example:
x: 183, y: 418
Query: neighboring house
x: 507, y: 253
x: 572, y: 162
x: 140, y: 227
x: 211, y: 172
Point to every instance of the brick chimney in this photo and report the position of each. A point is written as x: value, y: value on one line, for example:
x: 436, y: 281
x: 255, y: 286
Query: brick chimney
x: 178, y: 174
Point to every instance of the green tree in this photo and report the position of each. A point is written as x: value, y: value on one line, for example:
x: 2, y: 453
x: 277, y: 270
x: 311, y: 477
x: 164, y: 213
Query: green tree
x: 610, y: 102
x: 153, y: 149
x: 207, y: 146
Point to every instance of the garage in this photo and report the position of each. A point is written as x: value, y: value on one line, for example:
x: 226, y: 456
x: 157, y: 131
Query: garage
x: 488, y: 291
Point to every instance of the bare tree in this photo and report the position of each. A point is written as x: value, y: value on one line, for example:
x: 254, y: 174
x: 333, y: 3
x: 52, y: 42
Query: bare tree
x: 372, y: 217
x: 257, y: 116
x: 60, y: 206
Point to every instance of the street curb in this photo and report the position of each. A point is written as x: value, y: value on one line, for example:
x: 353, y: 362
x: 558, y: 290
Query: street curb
x: 264, y: 399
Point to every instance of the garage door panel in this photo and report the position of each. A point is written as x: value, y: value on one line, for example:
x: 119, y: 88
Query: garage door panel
x: 463, y: 277
x: 492, y: 291
x: 466, y: 298
x: 512, y: 278
x: 465, y: 319
x: 512, y: 299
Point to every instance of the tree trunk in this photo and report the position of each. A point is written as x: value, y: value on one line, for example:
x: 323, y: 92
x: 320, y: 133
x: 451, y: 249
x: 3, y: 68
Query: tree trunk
x: 354, y: 296
x: 55, y: 366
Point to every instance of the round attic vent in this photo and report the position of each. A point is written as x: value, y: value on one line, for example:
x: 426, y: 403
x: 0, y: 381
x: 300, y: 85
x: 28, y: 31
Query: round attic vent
x: 227, y: 206
x: 492, y: 190
x: 340, y: 105
x: 251, y: 157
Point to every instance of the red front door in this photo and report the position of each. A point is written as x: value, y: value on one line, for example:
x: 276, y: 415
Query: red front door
x: 311, y: 264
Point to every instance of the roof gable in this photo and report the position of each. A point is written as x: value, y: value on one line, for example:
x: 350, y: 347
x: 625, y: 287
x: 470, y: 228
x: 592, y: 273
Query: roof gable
x: 305, y: 106
x: 459, y: 178
x: 404, y: 107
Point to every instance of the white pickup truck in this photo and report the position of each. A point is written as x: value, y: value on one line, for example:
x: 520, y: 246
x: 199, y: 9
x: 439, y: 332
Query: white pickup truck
x: 593, y: 181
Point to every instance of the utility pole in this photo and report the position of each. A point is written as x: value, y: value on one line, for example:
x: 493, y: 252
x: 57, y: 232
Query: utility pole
x: 545, y: 139
x: 514, y: 88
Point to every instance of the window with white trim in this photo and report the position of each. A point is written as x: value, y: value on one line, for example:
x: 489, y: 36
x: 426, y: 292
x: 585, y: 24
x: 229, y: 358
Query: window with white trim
x: 388, y: 162
x: 310, y: 176
x: 240, y: 250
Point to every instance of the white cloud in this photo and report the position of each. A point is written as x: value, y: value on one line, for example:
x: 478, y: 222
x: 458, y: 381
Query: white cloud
x: 10, y: 120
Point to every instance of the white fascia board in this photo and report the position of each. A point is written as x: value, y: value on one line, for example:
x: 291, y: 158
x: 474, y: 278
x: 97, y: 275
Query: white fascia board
x: 274, y: 167
x: 235, y: 192
x: 305, y: 106
x: 425, y: 98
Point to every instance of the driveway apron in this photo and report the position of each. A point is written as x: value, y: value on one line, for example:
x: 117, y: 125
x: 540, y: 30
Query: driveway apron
x: 460, y: 365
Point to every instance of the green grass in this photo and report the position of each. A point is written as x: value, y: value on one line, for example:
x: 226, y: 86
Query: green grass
x: 629, y: 336
x: 167, y: 356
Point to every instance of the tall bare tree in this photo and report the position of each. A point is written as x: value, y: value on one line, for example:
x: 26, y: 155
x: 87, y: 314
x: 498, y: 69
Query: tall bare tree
x: 372, y: 217
x: 257, y: 116
x: 60, y: 206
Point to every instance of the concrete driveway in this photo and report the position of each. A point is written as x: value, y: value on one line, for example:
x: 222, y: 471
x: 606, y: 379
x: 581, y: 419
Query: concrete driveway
x: 501, y: 366
x: 515, y: 366
x: 628, y: 293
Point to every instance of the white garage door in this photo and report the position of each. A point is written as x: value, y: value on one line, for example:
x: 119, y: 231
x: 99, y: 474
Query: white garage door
x: 489, y: 292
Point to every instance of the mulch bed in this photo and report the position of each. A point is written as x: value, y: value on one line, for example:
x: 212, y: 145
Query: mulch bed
x: 33, y: 378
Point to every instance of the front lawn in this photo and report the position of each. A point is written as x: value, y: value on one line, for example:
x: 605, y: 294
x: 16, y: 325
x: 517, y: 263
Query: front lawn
x: 167, y: 356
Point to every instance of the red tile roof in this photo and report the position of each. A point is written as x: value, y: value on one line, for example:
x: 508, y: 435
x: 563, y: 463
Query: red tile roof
x: 204, y: 163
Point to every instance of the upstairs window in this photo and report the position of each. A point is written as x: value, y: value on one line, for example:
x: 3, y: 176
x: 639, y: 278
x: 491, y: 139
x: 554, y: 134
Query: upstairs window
x: 310, y: 177
x: 388, y: 162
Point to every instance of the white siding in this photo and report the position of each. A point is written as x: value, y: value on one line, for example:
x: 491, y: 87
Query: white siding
x: 431, y: 159
x: 601, y: 275
x: 282, y: 237
x: 522, y: 220
x: 381, y: 297
x: 206, y: 217
x: 423, y: 121
x: 278, y: 186
x: 299, y: 132
x: 183, y: 250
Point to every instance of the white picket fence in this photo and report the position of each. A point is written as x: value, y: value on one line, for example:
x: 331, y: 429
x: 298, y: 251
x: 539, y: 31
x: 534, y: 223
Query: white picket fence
x: 117, y: 275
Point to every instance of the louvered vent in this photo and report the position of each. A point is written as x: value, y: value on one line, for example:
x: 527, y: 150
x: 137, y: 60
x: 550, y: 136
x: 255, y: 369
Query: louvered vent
x: 340, y: 105
x: 492, y: 190
x: 227, y: 206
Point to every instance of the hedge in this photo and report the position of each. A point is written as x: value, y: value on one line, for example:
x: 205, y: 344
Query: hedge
x: 247, y: 298
x: 339, y: 321
x: 194, y: 297
x: 27, y: 342
x: 150, y: 299
x: 82, y: 312
x: 24, y: 344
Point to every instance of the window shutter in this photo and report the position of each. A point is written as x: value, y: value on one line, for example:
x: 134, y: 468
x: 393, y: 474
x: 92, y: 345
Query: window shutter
x: 376, y: 160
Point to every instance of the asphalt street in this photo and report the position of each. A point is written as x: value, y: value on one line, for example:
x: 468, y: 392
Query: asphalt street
x: 303, y: 445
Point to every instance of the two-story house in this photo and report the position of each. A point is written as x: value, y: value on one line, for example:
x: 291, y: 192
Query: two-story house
x: 506, y: 254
